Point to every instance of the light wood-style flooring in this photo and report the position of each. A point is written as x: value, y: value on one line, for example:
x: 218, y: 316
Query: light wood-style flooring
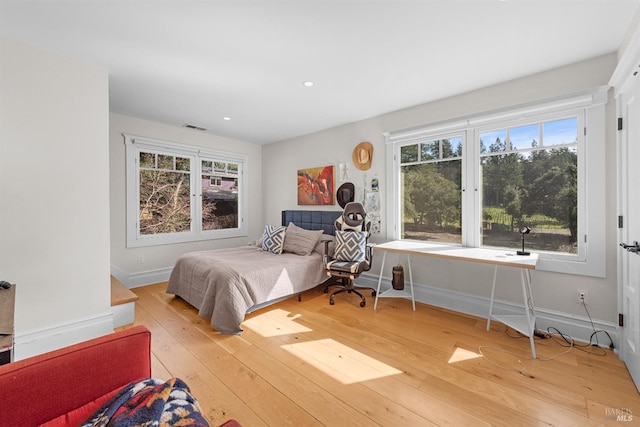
x: 311, y: 364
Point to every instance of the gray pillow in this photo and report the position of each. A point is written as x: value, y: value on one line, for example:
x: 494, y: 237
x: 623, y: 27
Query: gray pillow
x: 300, y: 241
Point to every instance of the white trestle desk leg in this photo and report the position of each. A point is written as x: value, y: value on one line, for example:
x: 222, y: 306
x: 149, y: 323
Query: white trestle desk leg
x: 413, y: 300
x: 375, y: 304
x: 528, y: 307
x: 493, y: 290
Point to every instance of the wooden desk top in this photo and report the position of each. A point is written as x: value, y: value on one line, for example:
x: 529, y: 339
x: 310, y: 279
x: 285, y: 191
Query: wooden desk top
x: 461, y: 253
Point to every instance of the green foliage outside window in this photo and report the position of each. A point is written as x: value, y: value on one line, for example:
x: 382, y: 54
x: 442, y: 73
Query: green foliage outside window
x: 528, y: 177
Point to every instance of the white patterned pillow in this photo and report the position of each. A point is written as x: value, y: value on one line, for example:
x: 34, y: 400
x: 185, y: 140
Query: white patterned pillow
x: 351, y: 246
x: 273, y: 239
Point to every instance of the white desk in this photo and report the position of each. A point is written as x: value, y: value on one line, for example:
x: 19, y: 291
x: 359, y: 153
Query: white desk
x: 523, y: 323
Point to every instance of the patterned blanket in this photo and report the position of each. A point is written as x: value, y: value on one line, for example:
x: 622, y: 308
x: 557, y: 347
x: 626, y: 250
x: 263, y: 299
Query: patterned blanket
x: 150, y: 402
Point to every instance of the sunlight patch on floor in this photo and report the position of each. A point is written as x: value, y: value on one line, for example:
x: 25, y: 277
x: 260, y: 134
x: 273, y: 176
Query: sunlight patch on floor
x: 460, y: 354
x: 274, y: 323
x: 340, y: 362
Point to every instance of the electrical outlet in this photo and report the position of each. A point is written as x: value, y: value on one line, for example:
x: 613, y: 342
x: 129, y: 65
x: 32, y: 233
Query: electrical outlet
x: 140, y: 259
x: 583, y: 297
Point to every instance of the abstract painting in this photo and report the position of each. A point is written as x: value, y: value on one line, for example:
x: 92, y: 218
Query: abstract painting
x: 316, y: 186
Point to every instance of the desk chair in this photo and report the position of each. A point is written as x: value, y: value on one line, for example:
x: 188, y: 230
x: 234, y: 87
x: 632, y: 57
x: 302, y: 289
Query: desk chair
x: 353, y: 255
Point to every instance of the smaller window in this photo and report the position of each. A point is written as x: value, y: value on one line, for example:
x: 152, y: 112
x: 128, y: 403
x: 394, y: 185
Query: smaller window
x: 165, y: 193
x: 430, y: 177
x: 162, y: 185
x: 219, y: 195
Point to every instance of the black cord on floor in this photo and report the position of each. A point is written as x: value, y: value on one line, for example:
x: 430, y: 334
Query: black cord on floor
x: 595, y: 332
x: 566, y: 340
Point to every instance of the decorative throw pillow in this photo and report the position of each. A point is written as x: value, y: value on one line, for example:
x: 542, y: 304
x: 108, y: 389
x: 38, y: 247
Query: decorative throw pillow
x: 299, y: 240
x: 351, y: 245
x: 273, y: 238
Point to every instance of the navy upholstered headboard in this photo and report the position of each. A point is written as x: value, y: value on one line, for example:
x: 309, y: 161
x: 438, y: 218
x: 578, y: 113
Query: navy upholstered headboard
x: 311, y: 220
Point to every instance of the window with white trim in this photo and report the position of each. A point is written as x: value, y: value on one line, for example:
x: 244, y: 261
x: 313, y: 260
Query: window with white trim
x: 434, y: 164
x: 478, y: 181
x: 179, y: 193
x: 529, y: 178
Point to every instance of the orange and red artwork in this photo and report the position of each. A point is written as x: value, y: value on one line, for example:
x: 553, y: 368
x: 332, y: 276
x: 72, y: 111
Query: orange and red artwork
x: 316, y: 186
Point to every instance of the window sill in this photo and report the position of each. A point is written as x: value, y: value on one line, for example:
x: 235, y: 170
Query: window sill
x: 581, y: 268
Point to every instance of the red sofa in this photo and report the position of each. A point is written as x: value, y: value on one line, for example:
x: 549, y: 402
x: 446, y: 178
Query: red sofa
x: 66, y: 386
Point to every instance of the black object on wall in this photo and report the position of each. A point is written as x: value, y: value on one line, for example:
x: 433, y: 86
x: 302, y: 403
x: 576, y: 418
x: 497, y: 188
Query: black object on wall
x: 345, y: 194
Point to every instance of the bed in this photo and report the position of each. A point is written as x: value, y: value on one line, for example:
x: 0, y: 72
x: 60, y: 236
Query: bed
x: 225, y: 284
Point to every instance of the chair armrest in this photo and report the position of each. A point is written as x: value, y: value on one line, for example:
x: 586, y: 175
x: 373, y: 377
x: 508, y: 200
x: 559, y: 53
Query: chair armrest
x: 326, y: 258
x: 326, y: 245
x: 369, y: 255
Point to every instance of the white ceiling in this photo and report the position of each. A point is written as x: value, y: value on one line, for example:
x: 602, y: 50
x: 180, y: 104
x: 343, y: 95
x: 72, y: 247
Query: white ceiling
x: 188, y: 61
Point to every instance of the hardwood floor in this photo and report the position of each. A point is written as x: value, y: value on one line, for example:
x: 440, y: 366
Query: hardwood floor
x: 310, y: 364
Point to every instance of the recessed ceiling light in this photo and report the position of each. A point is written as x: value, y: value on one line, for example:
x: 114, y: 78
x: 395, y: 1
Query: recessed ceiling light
x: 226, y: 118
x: 307, y: 83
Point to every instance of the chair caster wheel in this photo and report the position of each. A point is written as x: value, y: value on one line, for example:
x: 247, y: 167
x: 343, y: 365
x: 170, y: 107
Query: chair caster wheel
x: 363, y: 303
x: 331, y: 302
x: 373, y: 293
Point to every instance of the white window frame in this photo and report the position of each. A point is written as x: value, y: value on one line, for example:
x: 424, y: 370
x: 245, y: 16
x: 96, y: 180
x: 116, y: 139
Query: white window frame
x: 590, y: 109
x: 134, y: 145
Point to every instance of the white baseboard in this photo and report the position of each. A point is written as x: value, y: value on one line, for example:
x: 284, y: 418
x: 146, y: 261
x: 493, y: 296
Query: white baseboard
x: 143, y: 278
x: 577, y: 327
x: 123, y: 314
x: 32, y: 343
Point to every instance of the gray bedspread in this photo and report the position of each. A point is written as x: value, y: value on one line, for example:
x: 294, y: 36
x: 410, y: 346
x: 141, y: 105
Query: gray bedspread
x: 224, y: 283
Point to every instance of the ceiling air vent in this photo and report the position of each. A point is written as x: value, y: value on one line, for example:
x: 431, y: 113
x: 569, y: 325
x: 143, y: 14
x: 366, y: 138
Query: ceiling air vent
x: 190, y: 126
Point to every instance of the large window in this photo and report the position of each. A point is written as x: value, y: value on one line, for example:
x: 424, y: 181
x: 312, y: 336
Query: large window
x: 529, y: 179
x: 480, y: 181
x: 177, y: 193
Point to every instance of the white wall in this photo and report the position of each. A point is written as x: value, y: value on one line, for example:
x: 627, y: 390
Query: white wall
x: 54, y: 133
x: 54, y: 196
x: 555, y: 293
x: 158, y: 260
x: 632, y: 33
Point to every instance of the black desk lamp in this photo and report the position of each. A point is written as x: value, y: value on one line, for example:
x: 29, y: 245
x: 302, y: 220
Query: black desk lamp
x: 524, y: 230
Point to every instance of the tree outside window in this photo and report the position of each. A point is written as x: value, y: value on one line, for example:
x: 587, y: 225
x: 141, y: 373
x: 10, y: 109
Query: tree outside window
x: 431, y: 179
x: 168, y: 203
x: 529, y: 178
x: 165, y: 193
